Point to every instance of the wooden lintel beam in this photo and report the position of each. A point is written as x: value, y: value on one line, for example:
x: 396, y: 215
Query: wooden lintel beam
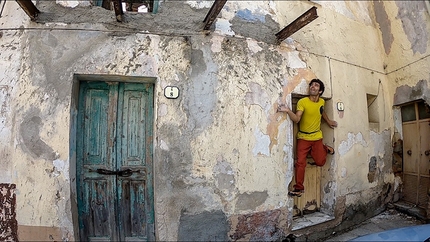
x: 117, y: 5
x: 29, y: 8
x: 213, y: 13
x: 297, y: 24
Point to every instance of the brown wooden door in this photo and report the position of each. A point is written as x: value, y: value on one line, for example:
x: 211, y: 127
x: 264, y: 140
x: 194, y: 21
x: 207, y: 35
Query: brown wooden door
x: 310, y: 201
x: 416, y: 153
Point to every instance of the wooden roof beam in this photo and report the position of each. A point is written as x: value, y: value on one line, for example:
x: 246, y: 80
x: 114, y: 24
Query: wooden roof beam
x: 213, y: 13
x: 119, y: 14
x: 29, y: 8
x: 297, y: 24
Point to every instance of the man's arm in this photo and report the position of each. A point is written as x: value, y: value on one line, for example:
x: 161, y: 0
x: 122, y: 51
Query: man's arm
x: 330, y: 123
x: 293, y: 116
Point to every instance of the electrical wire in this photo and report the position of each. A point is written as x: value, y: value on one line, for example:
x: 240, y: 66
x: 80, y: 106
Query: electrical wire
x: 131, y: 30
x: 377, y: 94
x: 330, y: 78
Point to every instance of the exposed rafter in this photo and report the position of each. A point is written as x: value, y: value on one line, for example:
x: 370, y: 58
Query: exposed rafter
x: 29, y: 8
x: 213, y: 13
x: 117, y: 5
x: 297, y: 24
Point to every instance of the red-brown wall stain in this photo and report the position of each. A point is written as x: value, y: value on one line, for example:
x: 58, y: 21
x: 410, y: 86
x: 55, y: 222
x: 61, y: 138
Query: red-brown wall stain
x: 276, y: 119
x: 8, y: 223
x: 262, y: 226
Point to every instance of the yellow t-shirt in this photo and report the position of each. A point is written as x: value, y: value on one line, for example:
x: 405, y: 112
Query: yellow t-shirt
x: 310, y: 123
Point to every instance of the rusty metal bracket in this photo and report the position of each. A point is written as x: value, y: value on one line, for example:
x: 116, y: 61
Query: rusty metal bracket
x: 2, y: 7
x: 123, y: 173
x: 117, y: 5
x: 29, y: 8
x: 297, y: 24
x: 213, y: 13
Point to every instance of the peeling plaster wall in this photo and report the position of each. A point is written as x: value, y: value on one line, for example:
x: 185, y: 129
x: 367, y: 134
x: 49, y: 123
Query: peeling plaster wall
x: 221, y: 151
x: 10, y: 59
x: 345, y: 46
x: 410, y: 74
x: 410, y: 25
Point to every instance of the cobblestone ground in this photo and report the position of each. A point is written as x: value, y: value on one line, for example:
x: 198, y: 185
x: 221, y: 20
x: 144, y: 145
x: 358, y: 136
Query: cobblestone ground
x: 389, y: 219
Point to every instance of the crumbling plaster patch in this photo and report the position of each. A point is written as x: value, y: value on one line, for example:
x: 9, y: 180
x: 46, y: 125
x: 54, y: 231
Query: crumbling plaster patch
x: 365, y: 204
x: 253, y: 46
x: 35, y: 177
x: 258, y: 96
x: 329, y: 199
x: 216, y: 41
x: 73, y: 3
x: 10, y: 61
x: 262, y: 142
x: 371, y: 162
x: 384, y: 25
x: 5, y: 92
x: 205, y: 226
x: 255, y: 29
x: 352, y: 139
x: 200, y: 97
x: 383, y: 150
x: 225, y: 180
x: 269, y: 225
x: 250, y: 201
x: 356, y: 10
x: 223, y: 27
x: 169, y: 20
x: 405, y: 93
x: 412, y: 14
x: 200, y: 4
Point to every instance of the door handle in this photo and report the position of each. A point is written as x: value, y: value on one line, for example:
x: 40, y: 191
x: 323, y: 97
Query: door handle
x: 409, y: 152
x: 427, y: 152
x: 123, y: 173
x: 106, y: 172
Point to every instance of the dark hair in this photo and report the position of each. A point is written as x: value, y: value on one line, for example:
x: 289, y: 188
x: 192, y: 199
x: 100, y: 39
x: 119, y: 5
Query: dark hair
x: 322, y: 87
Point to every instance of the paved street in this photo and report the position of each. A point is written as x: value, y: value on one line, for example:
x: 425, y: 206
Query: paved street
x: 389, y: 219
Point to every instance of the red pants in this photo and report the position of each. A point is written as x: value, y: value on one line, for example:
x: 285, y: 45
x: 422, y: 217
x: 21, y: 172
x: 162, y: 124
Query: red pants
x: 318, y: 152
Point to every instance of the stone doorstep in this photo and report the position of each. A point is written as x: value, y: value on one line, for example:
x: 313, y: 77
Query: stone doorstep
x: 310, y: 220
x: 411, y: 209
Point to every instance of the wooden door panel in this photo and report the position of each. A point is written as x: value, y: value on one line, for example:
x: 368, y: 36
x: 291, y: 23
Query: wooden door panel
x: 310, y: 201
x: 134, y: 148
x: 424, y: 172
x: 95, y: 148
x: 410, y: 148
x: 422, y: 191
x: 95, y: 191
x: 425, y: 148
x: 416, y: 165
x: 410, y: 184
x: 99, y: 223
x: 133, y: 127
x: 133, y: 210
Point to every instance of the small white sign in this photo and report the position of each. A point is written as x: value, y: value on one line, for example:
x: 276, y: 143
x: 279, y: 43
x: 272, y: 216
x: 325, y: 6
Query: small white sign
x: 340, y: 106
x: 171, y: 92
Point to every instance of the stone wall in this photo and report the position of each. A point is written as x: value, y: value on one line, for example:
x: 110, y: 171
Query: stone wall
x: 223, y: 156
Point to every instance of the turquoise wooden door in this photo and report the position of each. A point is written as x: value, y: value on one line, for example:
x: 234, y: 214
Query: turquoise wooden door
x: 114, y: 161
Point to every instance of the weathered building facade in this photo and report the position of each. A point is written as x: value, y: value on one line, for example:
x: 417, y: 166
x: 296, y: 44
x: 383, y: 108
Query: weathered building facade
x: 152, y: 128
